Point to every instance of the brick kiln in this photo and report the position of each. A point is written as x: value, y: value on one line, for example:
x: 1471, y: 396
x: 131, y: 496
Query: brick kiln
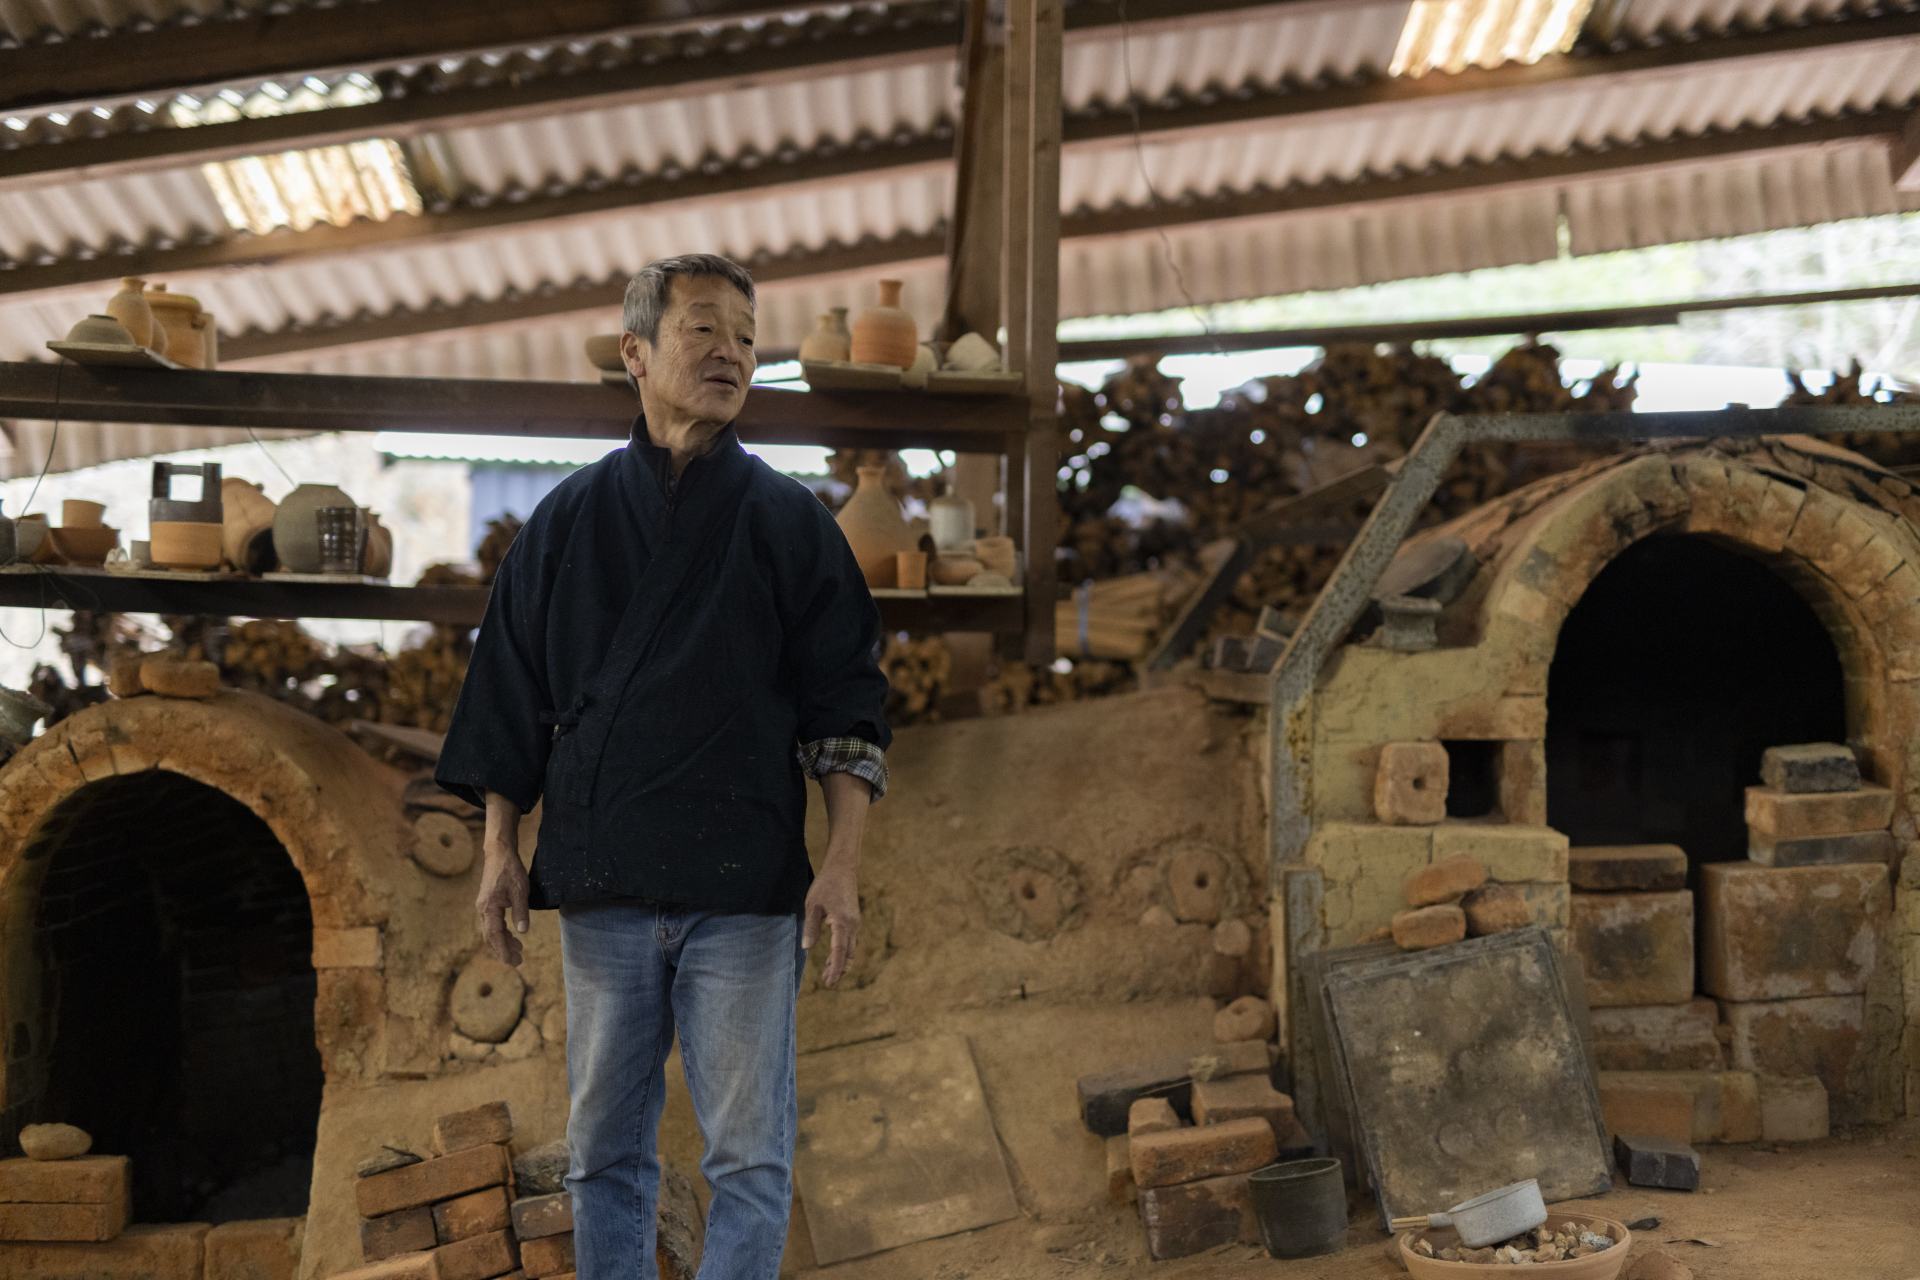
x: 235, y: 953
x: 1617, y: 647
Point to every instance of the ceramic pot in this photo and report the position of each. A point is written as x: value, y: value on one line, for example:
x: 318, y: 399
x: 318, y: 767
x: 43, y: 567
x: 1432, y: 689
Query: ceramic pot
x: 910, y: 570
x: 175, y: 313
x: 84, y: 544
x: 209, y: 339
x: 30, y: 544
x: 875, y: 528
x: 101, y: 331
x: 885, y: 334
x: 924, y: 363
x: 78, y: 513
x: 296, y: 538
x: 246, y: 538
x: 972, y: 353
x: 950, y: 520
x: 997, y: 554
x: 185, y: 544
x: 839, y: 315
x: 129, y: 307
x: 376, y: 561
x: 827, y: 341
x: 950, y: 570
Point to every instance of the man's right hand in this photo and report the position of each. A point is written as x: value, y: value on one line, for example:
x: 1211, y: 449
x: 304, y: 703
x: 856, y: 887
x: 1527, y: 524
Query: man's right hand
x: 503, y: 882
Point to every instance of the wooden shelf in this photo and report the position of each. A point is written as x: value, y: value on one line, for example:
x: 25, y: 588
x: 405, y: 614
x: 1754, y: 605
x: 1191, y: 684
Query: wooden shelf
x: 97, y: 589
x: 487, y: 406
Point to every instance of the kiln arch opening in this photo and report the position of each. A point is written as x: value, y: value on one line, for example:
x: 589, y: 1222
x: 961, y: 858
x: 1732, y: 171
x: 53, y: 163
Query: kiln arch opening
x: 1681, y: 663
x: 175, y: 1023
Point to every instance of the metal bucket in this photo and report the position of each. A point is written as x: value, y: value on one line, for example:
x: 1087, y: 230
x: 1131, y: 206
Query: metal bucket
x: 1301, y: 1206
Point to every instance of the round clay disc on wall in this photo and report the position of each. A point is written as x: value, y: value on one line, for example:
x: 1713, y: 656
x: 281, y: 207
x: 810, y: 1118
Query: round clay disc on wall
x: 442, y: 844
x: 486, y: 1000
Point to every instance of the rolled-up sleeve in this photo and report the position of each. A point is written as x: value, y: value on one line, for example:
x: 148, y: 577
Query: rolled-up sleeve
x: 497, y: 741
x: 846, y: 755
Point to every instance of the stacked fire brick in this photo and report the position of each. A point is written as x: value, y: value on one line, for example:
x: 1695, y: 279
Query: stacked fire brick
x: 443, y: 1218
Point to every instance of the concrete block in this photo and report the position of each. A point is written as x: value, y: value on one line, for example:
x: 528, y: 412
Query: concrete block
x: 1631, y: 868
x: 1793, y: 1109
x: 476, y: 1126
x: 1781, y: 933
x: 1819, y: 1036
x: 1107, y: 1096
x: 1637, y: 948
x: 1445, y: 880
x: 1204, y: 1151
x: 547, y: 1256
x: 1661, y: 1109
x: 1812, y: 851
x: 441, y: 1178
x: 1410, y: 789
x: 1674, y: 1037
x: 158, y: 1251
x: 1425, y: 927
x: 1810, y: 768
x: 255, y: 1249
x: 485, y: 1257
x: 348, y: 948
x: 1243, y: 1098
x: 1788, y: 815
x: 1192, y: 1217
x: 408, y: 1231
x: 1147, y: 1115
x: 1495, y: 908
x: 79, y: 1180
x: 474, y: 1214
x: 1650, y: 1162
x: 1510, y: 853
x: 79, y: 1222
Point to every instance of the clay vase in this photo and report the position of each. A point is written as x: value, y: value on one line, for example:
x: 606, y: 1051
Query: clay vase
x: 825, y: 342
x: 175, y: 313
x: 376, y: 559
x: 129, y: 307
x: 875, y: 529
x: 839, y: 315
x: 246, y: 537
x: 296, y: 538
x: 885, y: 334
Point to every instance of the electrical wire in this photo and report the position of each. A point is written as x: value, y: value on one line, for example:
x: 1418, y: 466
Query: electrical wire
x: 46, y: 467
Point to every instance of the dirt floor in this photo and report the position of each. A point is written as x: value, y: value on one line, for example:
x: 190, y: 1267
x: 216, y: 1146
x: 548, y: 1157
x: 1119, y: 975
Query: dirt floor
x: 1845, y: 1209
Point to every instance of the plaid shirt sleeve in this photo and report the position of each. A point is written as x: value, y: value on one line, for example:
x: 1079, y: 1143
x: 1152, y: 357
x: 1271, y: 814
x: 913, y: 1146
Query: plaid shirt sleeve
x: 856, y: 756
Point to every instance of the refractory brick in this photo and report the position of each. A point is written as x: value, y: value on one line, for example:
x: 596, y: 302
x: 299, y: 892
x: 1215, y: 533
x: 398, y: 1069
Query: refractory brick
x: 1447, y: 880
x: 79, y: 1180
x: 474, y: 1214
x: 1637, y: 948
x: 255, y: 1249
x: 1190, y: 1217
x: 1205, y: 1151
x: 1244, y: 1097
x: 1410, y: 788
x: 1627, y: 868
x: 1810, y: 767
x: 1819, y: 1036
x: 1816, y: 851
x: 1667, y: 1037
x: 430, y: 1181
x: 1786, y: 815
x: 1784, y: 933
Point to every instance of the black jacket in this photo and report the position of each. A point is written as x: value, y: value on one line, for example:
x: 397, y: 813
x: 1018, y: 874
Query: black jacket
x: 650, y: 658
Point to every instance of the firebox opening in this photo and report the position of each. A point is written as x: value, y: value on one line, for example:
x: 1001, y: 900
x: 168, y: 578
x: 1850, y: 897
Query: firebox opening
x: 177, y: 992
x: 1683, y: 661
x: 1473, y: 778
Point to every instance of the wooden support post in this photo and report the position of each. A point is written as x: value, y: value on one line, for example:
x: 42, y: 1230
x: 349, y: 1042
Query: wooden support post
x: 1043, y: 322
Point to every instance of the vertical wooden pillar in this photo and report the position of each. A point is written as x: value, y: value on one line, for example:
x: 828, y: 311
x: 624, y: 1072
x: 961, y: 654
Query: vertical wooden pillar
x: 1037, y: 44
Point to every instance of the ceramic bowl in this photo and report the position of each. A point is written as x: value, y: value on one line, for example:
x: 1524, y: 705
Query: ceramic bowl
x: 84, y: 544
x: 972, y: 353
x: 101, y: 331
x: 953, y: 570
x: 1596, y: 1266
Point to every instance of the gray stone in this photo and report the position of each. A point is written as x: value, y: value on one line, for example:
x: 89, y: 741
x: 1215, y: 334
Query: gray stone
x: 389, y: 1156
x: 1814, y: 851
x: 541, y: 1170
x: 1811, y: 766
x: 1653, y: 1162
x: 1408, y: 624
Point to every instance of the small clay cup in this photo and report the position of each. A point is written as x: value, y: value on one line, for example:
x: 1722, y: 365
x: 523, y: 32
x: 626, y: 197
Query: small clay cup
x: 78, y: 513
x: 912, y: 568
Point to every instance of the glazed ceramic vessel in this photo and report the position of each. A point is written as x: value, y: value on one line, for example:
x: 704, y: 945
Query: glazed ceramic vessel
x: 924, y: 363
x: 176, y: 314
x: 129, y: 307
x: 101, y: 331
x: 950, y: 520
x: 885, y: 334
x: 875, y: 528
x: 828, y: 341
x: 296, y: 539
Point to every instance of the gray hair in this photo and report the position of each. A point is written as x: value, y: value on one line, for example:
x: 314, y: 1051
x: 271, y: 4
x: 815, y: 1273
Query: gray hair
x: 647, y: 292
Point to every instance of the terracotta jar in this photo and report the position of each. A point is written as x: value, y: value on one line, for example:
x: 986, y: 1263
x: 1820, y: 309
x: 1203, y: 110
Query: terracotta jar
x: 826, y: 342
x: 247, y: 525
x: 129, y: 307
x: 296, y: 538
x: 875, y: 529
x: 175, y: 313
x: 885, y: 334
x: 376, y: 560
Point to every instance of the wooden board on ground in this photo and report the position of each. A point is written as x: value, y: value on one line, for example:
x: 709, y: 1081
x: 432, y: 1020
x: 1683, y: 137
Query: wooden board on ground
x: 896, y: 1146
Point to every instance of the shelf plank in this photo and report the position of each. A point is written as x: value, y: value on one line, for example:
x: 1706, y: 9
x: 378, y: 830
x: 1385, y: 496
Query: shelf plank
x: 97, y: 589
x: 489, y: 406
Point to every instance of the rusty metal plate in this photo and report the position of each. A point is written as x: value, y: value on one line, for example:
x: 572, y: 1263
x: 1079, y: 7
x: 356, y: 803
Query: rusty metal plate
x: 896, y: 1146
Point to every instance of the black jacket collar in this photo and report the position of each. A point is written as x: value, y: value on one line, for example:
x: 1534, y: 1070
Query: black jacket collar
x: 723, y: 456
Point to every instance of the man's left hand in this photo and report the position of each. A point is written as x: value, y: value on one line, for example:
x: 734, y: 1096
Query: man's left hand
x: 835, y: 899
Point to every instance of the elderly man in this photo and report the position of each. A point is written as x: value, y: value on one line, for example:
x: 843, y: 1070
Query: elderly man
x: 677, y: 639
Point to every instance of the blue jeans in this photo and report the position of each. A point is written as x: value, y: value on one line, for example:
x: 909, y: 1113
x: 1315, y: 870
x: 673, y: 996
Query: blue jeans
x: 634, y: 972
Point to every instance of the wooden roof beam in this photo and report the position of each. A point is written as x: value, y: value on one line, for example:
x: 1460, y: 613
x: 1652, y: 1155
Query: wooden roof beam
x: 1906, y: 156
x: 833, y: 49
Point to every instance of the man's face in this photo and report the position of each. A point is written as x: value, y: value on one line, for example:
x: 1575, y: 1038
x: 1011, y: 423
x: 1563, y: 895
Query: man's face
x: 701, y: 363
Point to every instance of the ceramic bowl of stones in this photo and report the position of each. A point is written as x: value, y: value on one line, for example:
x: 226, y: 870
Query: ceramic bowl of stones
x: 1572, y: 1246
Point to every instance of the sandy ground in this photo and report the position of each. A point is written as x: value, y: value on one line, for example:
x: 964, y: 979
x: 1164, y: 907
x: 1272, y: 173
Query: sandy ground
x: 1845, y: 1209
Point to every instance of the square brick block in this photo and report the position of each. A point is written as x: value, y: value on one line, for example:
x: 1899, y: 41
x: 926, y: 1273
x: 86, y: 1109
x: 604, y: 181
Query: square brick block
x: 80, y: 1222
x: 1667, y: 1037
x: 441, y: 1178
x: 1782, y: 933
x: 1637, y: 948
x: 1627, y: 868
x: 161, y: 1251
x: 539, y: 1216
x: 1410, y: 788
x: 1786, y: 815
x: 474, y: 1214
x: 81, y: 1180
x: 1813, y: 1037
x: 1241, y: 1098
x: 1206, y: 1151
x: 476, y: 1126
x: 1195, y: 1216
x: 255, y: 1249
x: 391, y: 1234
x: 1816, y: 851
